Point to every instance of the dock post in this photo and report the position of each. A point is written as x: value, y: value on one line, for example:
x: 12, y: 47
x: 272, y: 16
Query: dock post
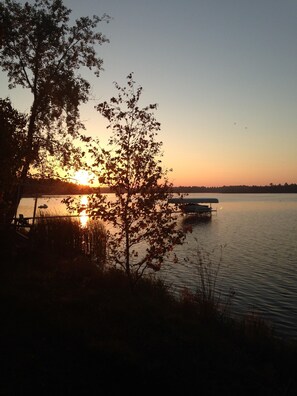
x: 34, y: 211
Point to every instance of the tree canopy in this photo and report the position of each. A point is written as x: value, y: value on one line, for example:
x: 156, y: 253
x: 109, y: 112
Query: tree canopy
x: 42, y: 52
x: 12, y: 152
x: 143, y: 227
x: 12, y: 139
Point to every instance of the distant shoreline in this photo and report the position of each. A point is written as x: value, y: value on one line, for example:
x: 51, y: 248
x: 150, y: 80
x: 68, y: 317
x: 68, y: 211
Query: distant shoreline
x: 57, y: 187
x: 271, y: 189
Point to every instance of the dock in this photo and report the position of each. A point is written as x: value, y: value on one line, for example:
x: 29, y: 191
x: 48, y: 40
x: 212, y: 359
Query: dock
x: 195, y: 206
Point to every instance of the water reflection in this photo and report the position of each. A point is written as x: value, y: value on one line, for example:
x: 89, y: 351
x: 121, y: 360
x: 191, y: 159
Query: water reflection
x: 195, y: 221
x: 83, y: 217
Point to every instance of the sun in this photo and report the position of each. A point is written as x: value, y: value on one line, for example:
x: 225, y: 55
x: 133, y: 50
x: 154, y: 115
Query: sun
x: 82, y: 177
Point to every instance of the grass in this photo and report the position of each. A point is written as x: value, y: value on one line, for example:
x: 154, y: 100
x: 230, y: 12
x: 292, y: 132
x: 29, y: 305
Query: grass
x: 66, y: 237
x: 208, y: 295
x: 69, y: 327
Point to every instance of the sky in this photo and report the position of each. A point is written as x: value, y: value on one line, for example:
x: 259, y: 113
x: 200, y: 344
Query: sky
x: 224, y: 75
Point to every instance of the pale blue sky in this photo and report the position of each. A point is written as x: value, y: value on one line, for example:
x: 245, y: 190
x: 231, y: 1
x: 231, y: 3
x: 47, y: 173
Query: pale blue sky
x: 224, y: 73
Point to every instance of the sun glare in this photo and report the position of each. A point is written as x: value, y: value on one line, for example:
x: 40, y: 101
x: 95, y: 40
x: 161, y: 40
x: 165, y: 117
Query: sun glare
x: 83, y: 217
x: 82, y: 177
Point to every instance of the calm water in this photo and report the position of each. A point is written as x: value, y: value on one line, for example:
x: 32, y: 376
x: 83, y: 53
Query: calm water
x: 258, y: 233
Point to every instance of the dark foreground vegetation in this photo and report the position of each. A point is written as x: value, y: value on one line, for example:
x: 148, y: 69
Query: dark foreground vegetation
x: 70, y: 328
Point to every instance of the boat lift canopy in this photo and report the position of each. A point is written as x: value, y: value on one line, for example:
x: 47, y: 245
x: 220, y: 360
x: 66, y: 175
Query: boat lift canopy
x: 193, y: 205
x: 192, y: 200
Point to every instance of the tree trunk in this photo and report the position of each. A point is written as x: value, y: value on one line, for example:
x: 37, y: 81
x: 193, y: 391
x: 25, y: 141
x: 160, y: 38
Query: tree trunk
x: 128, y: 269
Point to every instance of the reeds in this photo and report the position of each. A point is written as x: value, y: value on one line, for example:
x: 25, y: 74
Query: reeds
x: 208, y: 297
x: 208, y: 293
x: 66, y: 237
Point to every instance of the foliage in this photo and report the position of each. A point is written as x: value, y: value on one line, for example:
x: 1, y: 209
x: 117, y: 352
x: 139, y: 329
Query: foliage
x: 42, y: 53
x: 66, y: 237
x: 12, y: 139
x: 143, y: 228
x: 12, y: 150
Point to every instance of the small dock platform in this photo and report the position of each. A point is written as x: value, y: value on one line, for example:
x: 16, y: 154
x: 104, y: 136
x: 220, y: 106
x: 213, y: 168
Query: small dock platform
x: 195, y: 206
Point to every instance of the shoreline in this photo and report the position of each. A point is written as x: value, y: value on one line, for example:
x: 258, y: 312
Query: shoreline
x: 176, y: 190
x: 39, y: 187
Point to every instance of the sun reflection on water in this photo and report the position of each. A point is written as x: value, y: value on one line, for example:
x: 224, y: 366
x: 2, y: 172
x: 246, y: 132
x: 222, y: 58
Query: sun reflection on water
x: 83, y: 217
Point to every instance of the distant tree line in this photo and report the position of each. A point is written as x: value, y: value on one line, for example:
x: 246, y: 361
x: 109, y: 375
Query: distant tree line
x: 271, y: 188
x: 53, y: 186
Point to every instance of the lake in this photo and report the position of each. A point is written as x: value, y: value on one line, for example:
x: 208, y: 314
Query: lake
x: 256, y: 236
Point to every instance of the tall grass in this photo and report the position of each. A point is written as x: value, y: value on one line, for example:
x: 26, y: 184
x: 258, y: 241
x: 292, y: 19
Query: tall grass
x: 94, y: 241
x: 208, y: 292
x: 66, y: 237
x: 208, y: 296
x: 212, y: 303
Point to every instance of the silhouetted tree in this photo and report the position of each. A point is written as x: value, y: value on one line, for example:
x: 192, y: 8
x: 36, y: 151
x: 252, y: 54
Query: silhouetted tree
x: 12, y: 153
x: 143, y: 225
x: 41, y: 52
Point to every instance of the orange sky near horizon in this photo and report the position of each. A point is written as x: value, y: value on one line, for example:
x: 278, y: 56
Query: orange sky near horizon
x: 223, y: 74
